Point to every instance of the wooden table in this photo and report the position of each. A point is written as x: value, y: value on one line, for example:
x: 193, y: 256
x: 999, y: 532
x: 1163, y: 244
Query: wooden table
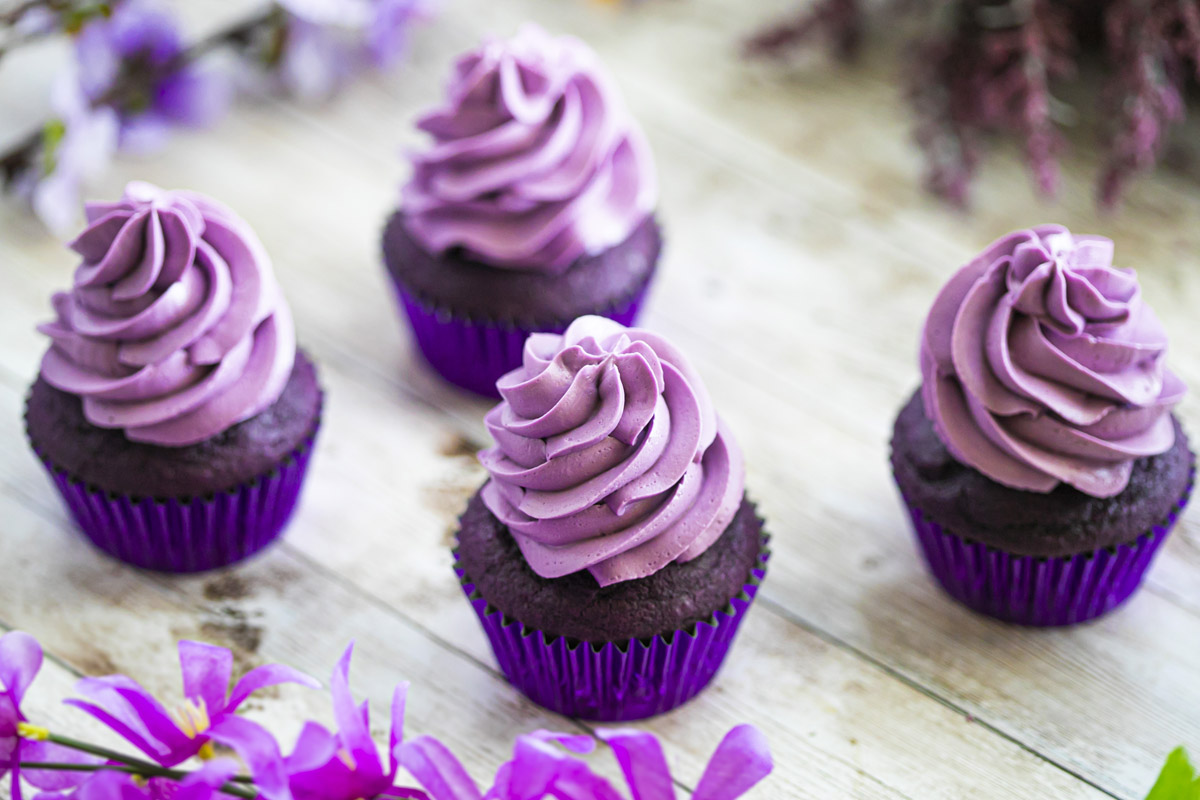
x: 802, y: 257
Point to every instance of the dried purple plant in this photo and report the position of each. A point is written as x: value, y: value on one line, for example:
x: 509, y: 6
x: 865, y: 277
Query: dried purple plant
x: 981, y: 66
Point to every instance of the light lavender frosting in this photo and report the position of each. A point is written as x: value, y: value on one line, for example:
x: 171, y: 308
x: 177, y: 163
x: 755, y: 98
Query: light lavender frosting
x: 609, y: 455
x: 535, y: 162
x: 175, y: 328
x: 1042, y: 365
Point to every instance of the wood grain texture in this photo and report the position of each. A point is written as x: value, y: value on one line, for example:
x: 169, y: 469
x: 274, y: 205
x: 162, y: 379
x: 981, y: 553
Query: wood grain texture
x: 801, y: 258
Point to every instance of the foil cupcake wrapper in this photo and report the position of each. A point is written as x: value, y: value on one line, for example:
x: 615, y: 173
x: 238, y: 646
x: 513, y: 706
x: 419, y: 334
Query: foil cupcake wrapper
x: 474, y: 354
x: 1037, y: 591
x: 190, y: 534
x: 614, y: 681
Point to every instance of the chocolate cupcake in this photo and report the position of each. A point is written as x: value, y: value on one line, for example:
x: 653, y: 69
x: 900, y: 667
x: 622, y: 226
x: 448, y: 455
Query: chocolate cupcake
x: 173, y: 410
x: 533, y: 206
x: 1040, y: 461
x: 612, y: 554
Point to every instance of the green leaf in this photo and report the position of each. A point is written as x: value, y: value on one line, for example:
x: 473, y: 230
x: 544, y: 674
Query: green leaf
x: 52, y: 136
x: 1178, y: 779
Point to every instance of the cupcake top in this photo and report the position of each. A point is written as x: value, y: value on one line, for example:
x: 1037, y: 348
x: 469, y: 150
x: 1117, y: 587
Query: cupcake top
x: 609, y: 456
x: 175, y: 329
x: 535, y: 161
x: 1042, y: 365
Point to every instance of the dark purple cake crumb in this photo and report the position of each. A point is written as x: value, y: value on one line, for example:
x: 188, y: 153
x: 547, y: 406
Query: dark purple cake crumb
x: 575, y: 606
x: 106, y: 459
x: 1063, y: 522
x: 475, y: 291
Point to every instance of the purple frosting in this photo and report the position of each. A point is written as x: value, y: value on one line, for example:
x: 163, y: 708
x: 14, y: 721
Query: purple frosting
x: 175, y: 328
x: 1042, y: 365
x: 609, y: 455
x: 535, y: 162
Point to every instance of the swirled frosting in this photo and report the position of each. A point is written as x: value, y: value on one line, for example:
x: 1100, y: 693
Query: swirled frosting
x: 535, y: 161
x: 609, y: 456
x: 175, y: 328
x: 1042, y: 365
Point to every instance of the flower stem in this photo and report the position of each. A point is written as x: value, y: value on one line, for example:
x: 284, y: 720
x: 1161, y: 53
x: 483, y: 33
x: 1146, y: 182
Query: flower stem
x: 96, y: 750
x: 144, y: 770
x: 140, y: 766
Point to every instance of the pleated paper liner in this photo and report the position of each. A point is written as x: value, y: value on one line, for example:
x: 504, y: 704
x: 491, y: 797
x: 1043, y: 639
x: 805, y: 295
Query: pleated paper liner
x: 614, y: 681
x: 1038, y: 591
x: 474, y: 354
x: 188, y: 534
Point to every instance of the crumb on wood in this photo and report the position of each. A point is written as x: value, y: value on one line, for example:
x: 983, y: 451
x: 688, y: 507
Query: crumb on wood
x: 230, y: 586
x: 456, y: 445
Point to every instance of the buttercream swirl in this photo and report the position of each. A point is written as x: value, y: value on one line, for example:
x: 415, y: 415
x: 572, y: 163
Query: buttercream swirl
x: 175, y: 328
x: 1042, y: 365
x: 609, y: 455
x: 535, y: 161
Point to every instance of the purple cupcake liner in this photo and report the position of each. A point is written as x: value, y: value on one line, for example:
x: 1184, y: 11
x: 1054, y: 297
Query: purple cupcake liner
x: 1037, y: 591
x: 473, y: 355
x: 189, y: 534
x: 614, y: 681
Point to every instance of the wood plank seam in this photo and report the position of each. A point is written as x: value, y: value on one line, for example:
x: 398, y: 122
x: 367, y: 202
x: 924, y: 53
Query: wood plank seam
x: 836, y: 641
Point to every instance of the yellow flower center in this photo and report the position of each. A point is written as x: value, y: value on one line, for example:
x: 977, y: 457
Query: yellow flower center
x: 34, y: 732
x: 192, y: 717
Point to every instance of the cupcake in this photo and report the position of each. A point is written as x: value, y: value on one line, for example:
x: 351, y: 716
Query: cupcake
x: 1040, y: 460
x: 612, y: 554
x: 533, y: 206
x: 173, y: 410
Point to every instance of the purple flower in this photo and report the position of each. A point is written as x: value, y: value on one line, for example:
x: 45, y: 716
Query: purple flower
x: 316, y: 60
x: 134, y: 63
x: 20, y: 660
x: 207, y: 714
x: 327, y: 41
x: 538, y: 769
x: 347, y: 766
x: 387, y: 31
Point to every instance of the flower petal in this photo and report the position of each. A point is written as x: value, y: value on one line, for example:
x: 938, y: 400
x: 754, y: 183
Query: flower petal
x: 111, y: 786
x: 54, y: 780
x: 20, y: 660
x: 255, y: 745
x: 314, y: 747
x: 131, y: 711
x: 353, y: 730
x: 201, y: 783
x: 642, y: 761
x: 742, y: 759
x: 264, y: 676
x: 438, y: 770
x: 399, y: 697
x: 206, y: 672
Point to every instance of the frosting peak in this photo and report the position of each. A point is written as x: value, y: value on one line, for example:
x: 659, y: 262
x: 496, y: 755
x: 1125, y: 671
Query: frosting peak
x: 1042, y: 365
x: 535, y: 162
x: 175, y: 329
x: 609, y: 455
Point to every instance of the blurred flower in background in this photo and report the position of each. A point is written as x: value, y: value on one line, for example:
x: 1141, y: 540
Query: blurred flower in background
x: 135, y: 63
x: 135, y: 77
x: 976, y: 67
